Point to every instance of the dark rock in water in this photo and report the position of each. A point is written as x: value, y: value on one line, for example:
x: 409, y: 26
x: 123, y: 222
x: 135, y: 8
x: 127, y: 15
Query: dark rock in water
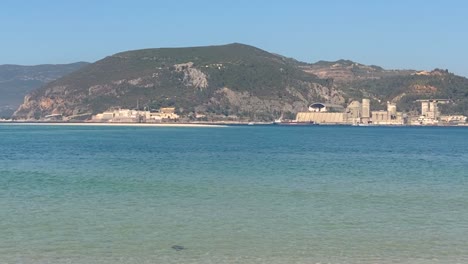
x: 178, y: 248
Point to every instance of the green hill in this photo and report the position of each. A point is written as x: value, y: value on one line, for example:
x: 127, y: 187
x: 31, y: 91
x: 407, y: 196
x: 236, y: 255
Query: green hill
x: 234, y: 80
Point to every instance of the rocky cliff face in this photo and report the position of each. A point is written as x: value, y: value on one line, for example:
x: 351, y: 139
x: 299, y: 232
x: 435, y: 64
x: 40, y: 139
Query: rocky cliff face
x: 245, y: 104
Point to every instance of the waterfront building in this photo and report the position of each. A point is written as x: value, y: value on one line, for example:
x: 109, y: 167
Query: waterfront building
x: 323, y: 113
x: 136, y: 116
x: 320, y: 118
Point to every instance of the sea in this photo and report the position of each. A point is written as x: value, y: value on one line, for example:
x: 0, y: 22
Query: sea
x: 240, y: 194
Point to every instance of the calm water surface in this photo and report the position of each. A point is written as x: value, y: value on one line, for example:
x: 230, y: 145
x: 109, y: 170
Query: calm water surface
x: 233, y: 195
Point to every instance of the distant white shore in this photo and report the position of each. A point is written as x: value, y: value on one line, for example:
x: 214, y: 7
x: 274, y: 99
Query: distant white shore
x: 111, y: 124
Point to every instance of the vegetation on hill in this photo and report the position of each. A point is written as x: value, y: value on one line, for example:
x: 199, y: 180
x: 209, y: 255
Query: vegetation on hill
x: 232, y: 79
x: 235, y: 80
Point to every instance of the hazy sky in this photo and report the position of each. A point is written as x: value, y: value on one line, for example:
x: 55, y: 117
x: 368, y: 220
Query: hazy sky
x: 393, y: 34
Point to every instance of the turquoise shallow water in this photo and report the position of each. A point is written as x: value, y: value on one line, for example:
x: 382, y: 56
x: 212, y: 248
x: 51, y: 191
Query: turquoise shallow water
x: 233, y: 195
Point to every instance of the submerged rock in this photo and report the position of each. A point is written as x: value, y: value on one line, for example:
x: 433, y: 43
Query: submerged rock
x: 178, y: 248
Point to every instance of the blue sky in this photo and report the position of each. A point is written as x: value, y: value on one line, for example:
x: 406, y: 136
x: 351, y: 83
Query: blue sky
x: 393, y: 34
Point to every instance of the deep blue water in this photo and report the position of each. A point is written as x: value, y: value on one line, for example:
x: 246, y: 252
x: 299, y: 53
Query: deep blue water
x: 319, y: 194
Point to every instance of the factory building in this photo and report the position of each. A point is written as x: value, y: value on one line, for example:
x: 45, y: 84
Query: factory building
x: 389, y: 117
x: 321, y: 117
x: 355, y: 113
x: 323, y: 113
x: 430, y: 113
x: 430, y: 108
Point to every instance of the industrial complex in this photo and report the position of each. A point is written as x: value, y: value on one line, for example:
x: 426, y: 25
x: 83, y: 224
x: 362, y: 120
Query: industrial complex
x: 357, y: 113
x: 360, y: 113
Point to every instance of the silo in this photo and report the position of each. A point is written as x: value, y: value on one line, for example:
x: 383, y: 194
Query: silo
x: 424, y: 108
x: 434, y: 109
x: 391, y: 108
x: 365, y: 113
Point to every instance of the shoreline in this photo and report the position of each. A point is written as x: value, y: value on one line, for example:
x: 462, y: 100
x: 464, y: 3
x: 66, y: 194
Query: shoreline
x: 111, y: 124
x: 200, y: 124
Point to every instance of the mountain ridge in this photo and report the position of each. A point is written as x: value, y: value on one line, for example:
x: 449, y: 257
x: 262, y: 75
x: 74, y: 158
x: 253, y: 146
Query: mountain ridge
x: 233, y: 79
x: 18, y: 80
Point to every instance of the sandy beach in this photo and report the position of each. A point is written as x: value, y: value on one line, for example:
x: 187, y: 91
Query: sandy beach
x: 112, y: 124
